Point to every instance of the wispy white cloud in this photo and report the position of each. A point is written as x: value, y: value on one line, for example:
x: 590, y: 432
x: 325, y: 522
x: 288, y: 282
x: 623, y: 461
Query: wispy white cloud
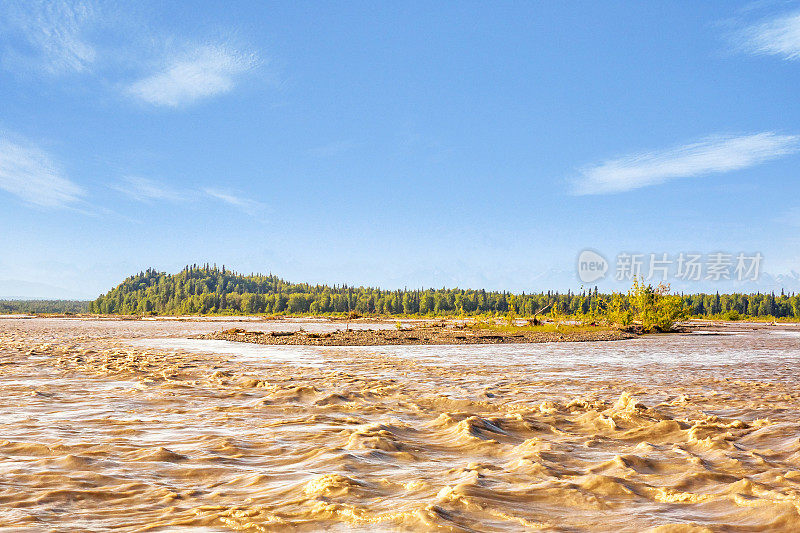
x: 57, y: 37
x: 201, y: 73
x: 29, y: 173
x: 53, y: 33
x: 144, y: 189
x: 245, y: 204
x: 778, y: 36
x: 711, y: 155
x: 150, y: 191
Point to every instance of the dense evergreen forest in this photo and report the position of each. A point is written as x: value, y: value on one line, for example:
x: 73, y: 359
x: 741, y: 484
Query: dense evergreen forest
x: 43, y: 306
x: 206, y: 289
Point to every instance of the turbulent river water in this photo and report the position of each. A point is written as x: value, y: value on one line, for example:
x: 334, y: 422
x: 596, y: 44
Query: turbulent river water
x: 129, y: 425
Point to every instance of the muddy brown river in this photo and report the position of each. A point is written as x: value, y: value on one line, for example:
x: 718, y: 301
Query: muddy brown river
x: 130, y: 426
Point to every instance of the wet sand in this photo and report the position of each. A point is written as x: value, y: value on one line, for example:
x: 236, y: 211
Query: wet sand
x: 131, y: 426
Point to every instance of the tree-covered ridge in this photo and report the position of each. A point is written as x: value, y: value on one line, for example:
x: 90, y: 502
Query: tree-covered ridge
x: 205, y: 289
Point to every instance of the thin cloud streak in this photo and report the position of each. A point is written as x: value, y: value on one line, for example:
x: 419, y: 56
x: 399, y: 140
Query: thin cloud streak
x: 54, y: 33
x: 143, y: 190
x: 711, y: 155
x: 248, y: 206
x: 149, y: 191
x: 29, y: 173
x: 779, y: 36
x: 204, y: 72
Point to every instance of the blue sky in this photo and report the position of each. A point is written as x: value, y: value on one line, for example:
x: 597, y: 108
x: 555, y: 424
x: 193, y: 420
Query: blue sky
x: 407, y: 144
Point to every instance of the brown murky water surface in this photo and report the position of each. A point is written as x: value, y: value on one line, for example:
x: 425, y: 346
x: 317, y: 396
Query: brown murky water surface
x: 129, y: 426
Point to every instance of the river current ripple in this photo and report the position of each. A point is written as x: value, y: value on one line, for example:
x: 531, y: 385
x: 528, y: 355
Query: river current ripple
x: 130, y: 426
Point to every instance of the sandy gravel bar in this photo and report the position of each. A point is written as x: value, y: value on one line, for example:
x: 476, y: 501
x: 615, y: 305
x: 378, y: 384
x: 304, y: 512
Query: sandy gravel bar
x: 448, y: 334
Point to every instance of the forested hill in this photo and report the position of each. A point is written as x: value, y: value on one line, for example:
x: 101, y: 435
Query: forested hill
x: 205, y: 289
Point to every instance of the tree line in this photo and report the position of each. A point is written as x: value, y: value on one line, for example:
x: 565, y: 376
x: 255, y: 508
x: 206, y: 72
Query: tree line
x: 39, y: 307
x: 205, y: 289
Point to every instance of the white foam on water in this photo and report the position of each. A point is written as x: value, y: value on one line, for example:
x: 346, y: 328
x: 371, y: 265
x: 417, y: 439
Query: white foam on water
x: 786, y: 333
x: 242, y: 351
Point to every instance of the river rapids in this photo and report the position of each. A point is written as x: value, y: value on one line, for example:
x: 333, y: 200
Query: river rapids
x: 131, y: 426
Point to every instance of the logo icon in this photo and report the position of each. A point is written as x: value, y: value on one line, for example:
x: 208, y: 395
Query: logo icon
x: 591, y: 266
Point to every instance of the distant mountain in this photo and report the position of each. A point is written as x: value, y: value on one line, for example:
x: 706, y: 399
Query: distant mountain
x: 15, y: 289
x: 790, y: 281
x: 766, y: 283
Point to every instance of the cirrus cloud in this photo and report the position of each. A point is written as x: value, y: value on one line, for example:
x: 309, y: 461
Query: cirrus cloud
x: 29, y: 173
x: 245, y: 204
x: 145, y: 190
x: 153, y: 191
x: 778, y: 36
x: 48, y: 36
x: 711, y: 155
x: 203, y: 72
